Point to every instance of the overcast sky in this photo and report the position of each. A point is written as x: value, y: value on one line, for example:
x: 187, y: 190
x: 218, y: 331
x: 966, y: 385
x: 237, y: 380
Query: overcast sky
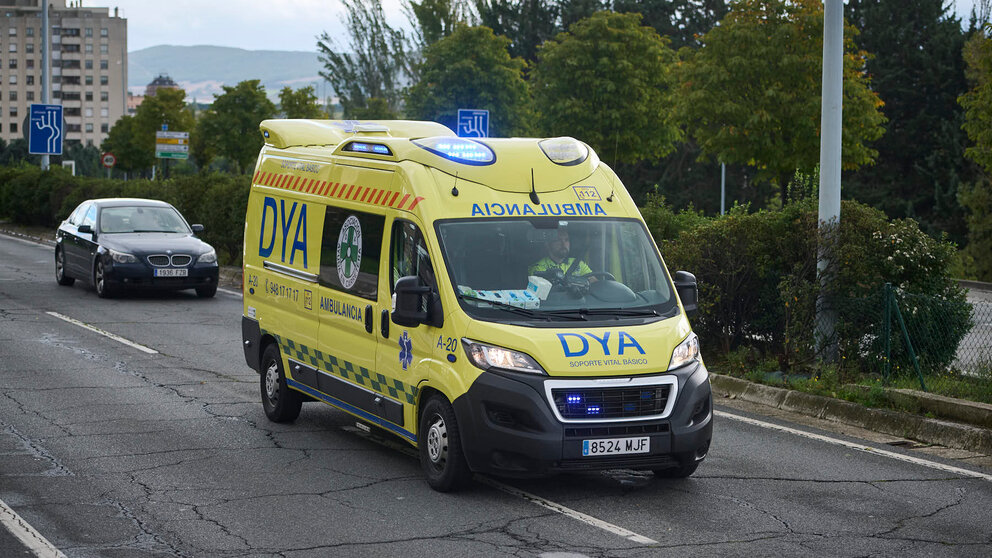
x: 253, y: 24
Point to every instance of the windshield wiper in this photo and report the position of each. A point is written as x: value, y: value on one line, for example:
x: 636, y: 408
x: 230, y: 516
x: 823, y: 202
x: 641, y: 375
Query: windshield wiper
x: 151, y: 231
x: 618, y: 312
x: 511, y: 308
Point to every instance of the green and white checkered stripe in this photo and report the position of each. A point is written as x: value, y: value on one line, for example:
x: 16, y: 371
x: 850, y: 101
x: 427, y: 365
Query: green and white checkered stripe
x: 343, y: 369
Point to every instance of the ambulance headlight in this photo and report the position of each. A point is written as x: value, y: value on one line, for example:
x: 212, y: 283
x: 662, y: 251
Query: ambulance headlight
x: 489, y: 356
x: 122, y: 257
x: 459, y: 150
x: 209, y: 257
x: 564, y: 151
x: 686, y: 352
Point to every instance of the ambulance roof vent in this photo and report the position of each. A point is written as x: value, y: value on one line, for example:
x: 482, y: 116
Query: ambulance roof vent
x: 299, y: 132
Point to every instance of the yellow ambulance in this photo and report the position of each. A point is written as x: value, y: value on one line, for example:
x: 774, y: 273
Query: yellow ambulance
x: 496, y: 303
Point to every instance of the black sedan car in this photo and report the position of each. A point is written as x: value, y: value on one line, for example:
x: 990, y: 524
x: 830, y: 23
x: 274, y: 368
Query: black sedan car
x: 120, y: 243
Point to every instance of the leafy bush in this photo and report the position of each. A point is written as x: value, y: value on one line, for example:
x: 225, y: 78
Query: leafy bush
x: 759, y: 287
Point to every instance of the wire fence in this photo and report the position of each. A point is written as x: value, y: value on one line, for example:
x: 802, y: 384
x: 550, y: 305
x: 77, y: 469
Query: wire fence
x: 943, y: 344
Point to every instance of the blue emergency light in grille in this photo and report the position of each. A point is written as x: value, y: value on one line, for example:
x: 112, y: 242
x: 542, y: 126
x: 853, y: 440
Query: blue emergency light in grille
x: 611, y: 403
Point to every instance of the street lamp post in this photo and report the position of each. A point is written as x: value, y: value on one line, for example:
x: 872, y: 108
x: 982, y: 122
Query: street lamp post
x: 46, y: 56
x: 830, y: 158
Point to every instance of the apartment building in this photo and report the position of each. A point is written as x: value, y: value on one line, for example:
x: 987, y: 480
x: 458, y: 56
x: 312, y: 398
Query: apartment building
x: 88, y: 67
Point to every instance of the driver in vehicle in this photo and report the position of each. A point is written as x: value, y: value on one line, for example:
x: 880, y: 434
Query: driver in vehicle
x: 558, y: 260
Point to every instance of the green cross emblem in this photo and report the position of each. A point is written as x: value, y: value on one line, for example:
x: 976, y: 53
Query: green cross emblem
x: 349, y: 252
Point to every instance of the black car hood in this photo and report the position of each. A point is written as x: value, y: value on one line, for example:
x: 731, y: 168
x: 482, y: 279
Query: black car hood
x: 154, y: 243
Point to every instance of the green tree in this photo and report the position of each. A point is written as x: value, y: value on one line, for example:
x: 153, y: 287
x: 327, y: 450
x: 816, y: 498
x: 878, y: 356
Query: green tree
x: 373, y: 63
x: 471, y: 68
x: 683, y: 21
x: 608, y: 82
x: 977, y: 196
x: 132, y: 138
x: 751, y: 94
x: 527, y: 23
x: 435, y: 19
x: 230, y: 126
x: 917, y: 69
x: 302, y: 103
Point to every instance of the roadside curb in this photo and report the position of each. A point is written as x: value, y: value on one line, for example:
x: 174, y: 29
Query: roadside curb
x: 894, y: 423
x: 32, y: 238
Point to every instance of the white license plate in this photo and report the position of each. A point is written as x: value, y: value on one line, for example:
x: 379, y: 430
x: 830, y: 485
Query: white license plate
x: 171, y: 272
x: 616, y: 446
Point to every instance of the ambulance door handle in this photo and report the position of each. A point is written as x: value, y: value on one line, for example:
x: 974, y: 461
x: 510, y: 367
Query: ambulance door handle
x: 368, y: 318
x: 384, y: 324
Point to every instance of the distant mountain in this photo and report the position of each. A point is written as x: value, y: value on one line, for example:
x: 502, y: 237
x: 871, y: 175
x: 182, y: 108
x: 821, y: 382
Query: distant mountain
x: 202, y: 70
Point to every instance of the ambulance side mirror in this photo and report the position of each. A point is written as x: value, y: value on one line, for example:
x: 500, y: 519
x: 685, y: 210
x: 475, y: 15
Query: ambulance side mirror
x: 410, y: 295
x: 685, y: 285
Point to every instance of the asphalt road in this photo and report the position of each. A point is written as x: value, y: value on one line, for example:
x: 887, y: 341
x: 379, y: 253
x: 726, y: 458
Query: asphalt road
x: 108, y: 450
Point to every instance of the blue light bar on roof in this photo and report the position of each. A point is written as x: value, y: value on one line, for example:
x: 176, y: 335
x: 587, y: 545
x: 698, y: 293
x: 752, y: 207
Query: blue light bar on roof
x: 459, y: 150
x: 366, y: 147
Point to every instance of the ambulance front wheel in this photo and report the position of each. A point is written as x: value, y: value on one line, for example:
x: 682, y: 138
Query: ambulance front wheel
x: 280, y: 403
x: 440, y: 446
x: 687, y: 465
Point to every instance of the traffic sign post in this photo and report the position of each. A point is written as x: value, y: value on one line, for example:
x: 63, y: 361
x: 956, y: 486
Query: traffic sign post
x: 45, y: 129
x: 473, y: 123
x: 171, y: 145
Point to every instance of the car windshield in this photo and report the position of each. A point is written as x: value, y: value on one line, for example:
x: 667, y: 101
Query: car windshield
x: 137, y: 219
x: 556, y: 270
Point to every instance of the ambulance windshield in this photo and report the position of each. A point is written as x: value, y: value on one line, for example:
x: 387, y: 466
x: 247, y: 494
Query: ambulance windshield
x: 580, y: 269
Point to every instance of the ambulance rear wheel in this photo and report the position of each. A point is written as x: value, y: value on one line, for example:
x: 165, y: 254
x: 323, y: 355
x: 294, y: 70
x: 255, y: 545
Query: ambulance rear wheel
x: 280, y: 403
x: 60, y: 275
x: 440, y: 447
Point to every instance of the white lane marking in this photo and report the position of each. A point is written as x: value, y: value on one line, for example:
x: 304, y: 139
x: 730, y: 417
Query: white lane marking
x: 588, y: 519
x: 115, y: 337
x: 856, y: 446
x: 27, y: 534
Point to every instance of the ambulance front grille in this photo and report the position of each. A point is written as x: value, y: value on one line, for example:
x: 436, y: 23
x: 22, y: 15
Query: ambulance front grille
x: 611, y: 402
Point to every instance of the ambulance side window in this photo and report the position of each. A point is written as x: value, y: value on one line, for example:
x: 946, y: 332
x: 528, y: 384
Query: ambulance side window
x: 409, y: 254
x: 350, y: 251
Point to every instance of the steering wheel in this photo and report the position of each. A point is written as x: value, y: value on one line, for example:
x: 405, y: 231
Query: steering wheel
x: 597, y: 274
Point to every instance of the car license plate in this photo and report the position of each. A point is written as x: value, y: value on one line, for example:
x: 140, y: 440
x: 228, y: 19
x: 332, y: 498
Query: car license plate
x: 616, y: 446
x: 171, y: 272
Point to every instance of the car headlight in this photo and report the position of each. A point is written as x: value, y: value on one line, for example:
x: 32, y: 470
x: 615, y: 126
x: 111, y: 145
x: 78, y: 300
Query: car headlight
x: 686, y: 352
x: 209, y: 257
x: 489, y: 356
x: 122, y: 257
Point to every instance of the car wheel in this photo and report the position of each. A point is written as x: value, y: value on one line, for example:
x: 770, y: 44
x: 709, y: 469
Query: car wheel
x: 103, y: 288
x: 206, y: 292
x: 440, y: 447
x: 280, y: 403
x: 686, y: 467
x: 60, y: 275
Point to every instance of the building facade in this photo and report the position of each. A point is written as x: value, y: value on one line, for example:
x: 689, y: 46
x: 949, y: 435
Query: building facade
x: 88, y: 67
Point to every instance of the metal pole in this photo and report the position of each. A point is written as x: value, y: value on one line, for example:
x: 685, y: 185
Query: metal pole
x: 723, y: 187
x: 46, y: 55
x: 830, y: 156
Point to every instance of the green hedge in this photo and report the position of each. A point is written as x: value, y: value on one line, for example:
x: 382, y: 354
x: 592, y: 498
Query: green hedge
x: 758, y: 285
x: 29, y: 196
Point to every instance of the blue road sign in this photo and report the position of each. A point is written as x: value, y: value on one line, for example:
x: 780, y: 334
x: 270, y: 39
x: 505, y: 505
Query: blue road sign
x: 45, y: 130
x: 473, y: 123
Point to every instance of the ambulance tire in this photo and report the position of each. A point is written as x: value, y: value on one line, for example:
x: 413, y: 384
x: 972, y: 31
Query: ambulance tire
x: 280, y: 403
x: 60, y: 275
x: 100, y: 283
x: 686, y: 467
x: 440, y: 447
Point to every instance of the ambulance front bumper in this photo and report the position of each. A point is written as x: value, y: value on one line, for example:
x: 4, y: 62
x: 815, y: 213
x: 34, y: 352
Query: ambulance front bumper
x: 509, y: 428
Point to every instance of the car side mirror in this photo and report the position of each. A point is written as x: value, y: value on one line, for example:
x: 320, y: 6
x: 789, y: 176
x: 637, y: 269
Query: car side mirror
x: 685, y: 285
x: 197, y: 229
x: 410, y: 294
x: 85, y: 229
